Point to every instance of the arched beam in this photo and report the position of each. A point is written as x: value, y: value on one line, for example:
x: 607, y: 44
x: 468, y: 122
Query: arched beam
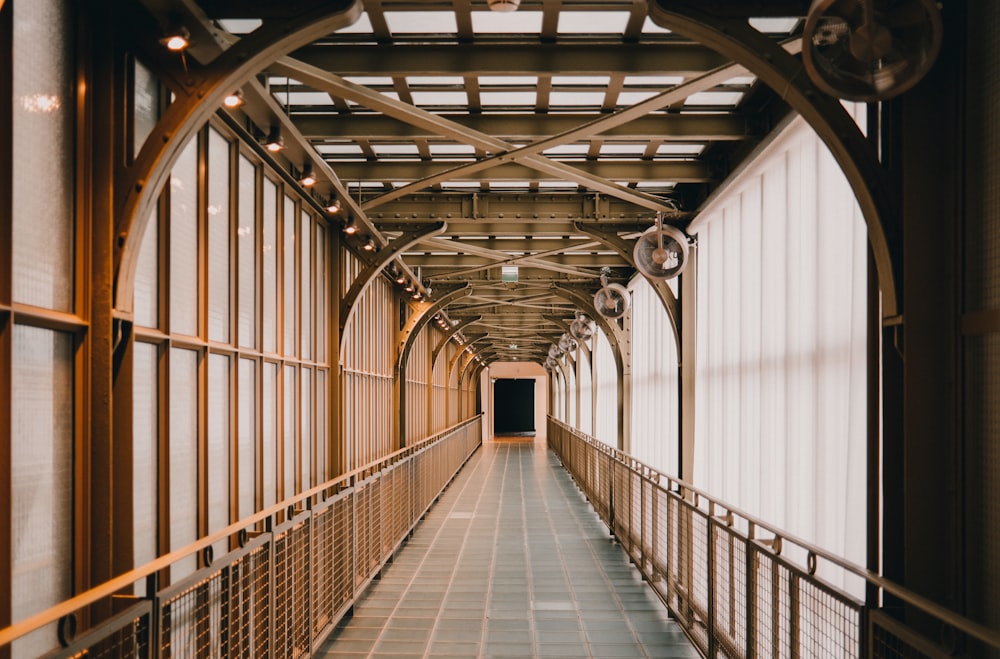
x: 452, y: 331
x: 194, y: 101
x: 784, y: 73
x: 383, y: 258
x: 612, y: 240
x: 422, y: 314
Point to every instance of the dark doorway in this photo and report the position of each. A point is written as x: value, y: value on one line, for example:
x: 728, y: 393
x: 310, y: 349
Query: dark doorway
x: 514, y: 406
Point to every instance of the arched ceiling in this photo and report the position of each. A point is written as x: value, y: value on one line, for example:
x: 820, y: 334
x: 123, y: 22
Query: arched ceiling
x: 530, y: 134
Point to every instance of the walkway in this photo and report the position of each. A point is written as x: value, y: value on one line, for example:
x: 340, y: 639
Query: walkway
x: 511, y: 562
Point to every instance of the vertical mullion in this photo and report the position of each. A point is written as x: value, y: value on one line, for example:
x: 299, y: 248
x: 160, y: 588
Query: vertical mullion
x: 6, y: 259
x: 201, y: 213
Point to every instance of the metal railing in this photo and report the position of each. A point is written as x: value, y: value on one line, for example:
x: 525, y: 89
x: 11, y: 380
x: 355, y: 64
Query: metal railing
x: 296, y: 570
x: 742, y: 588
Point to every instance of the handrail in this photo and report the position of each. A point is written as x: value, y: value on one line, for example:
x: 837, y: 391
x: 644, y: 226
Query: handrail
x: 113, y: 586
x: 957, y: 621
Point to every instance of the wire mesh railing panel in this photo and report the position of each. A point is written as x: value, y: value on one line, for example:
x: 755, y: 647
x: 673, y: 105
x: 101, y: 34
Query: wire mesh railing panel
x: 343, y: 551
x: 729, y: 611
x: 373, y: 558
x: 828, y: 624
x: 387, y: 506
x: 250, y: 600
x: 890, y: 639
x: 401, y: 507
x: 636, y: 527
x: 696, y: 536
x: 322, y: 565
x: 191, y: 619
x: 362, y: 533
x: 291, y: 594
x: 659, y: 555
x: 772, y: 622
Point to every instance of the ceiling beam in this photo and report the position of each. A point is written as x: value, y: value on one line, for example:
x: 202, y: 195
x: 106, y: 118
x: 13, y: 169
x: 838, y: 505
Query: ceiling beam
x: 528, y: 58
x: 433, y: 261
x: 689, y: 171
x: 683, y: 127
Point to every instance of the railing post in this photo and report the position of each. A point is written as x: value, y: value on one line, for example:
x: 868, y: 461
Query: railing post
x: 751, y: 596
x: 272, y: 588
x: 793, y: 615
x: 153, y: 594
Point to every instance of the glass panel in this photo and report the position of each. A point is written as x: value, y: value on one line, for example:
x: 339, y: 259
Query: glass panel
x: 146, y: 105
x: 269, y: 479
x: 218, y: 237
x: 183, y: 494
x: 289, y: 435
x: 288, y: 275
x: 145, y: 435
x: 247, y: 437
x: 306, y: 305
x: 321, y: 293
x: 270, y: 266
x: 247, y: 233
x: 43, y: 141
x: 307, y: 425
x: 184, y: 242
x: 219, y: 414
x: 41, y: 478
x: 322, y: 432
x: 147, y: 276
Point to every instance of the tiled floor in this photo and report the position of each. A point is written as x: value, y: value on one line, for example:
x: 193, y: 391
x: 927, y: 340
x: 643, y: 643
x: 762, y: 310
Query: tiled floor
x: 511, y: 562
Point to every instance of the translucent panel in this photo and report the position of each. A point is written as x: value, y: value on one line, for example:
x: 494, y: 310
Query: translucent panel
x: 507, y: 98
x: 288, y: 277
x: 218, y: 237
x: 246, y: 233
x: 567, y: 150
x: 557, y: 184
x: 145, y: 442
x: 518, y: 22
x: 649, y: 27
x: 395, y: 149
x: 220, y: 410
x: 623, y: 149
x: 270, y: 265
x: 43, y: 141
x: 339, y: 149
x: 41, y: 474
x: 322, y: 282
x: 269, y: 458
x: 651, y: 81
x: 460, y: 184
x: 632, y: 97
x: 289, y: 435
x: 322, y: 432
x: 306, y: 428
x: 519, y: 81
x: 247, y: 430
x: 576, y: 98
x: 421, y: 22
x: 451, y: 149
x: 589, y: 22
x: 240, y: 25
x: 435, y: 80
x: 184, y: 242
x: 145, y: 105
x: 303, y: 98
x: 147, y: 276
x: 578, y: 81
x: 774, y: 25
x: 672, y: 149
x: 370, y: 81
x: 183, y: 454
x: 714, y: 98
x: 305, y: 283
x: 439, y: 98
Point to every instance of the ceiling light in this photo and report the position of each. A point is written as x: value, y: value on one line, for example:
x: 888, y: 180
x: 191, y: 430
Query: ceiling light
x: 233, y: 100
x: 409, y: 287
x: 177, y: 38
x: 308, y: 177
x: 503, y: 5
x: 369, y: 244
x: 333, y: 205
x: 351, y: 227
x: 275, y: 142
x: 400, y: 278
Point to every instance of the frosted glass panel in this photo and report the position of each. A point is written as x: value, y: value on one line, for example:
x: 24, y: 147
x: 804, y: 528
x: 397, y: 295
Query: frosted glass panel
x: 306, y: 428
x: 288, y: 276
x: 305, y: 229
x: 43, y: 142
x: 41, y: 478
x: 146, y: 105
x: 146, y: 419
x: 322, y: 432
x: 184, y: 242
x: 289, y: 436
x: 247, y: 241
x: 247, y: 437
x: 269, y: 461
x: 183, y: 456
x: 147, y: 276
x: 219, y: 413
x: 322, y: 289
x: 218, y: 237
x: 270, y: 257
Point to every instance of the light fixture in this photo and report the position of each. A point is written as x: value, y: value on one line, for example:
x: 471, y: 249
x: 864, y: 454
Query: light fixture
x: 409, y: 287
x: 503, y: 5
x: 308, y: 177
x: 274, y: 142
x: 233, y: 100
x: 400, y: 278
x: 333, y: 204
x: 177, y: 38
x: 417, y: 294
x: 351, y: 227
x: 369, y: 244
